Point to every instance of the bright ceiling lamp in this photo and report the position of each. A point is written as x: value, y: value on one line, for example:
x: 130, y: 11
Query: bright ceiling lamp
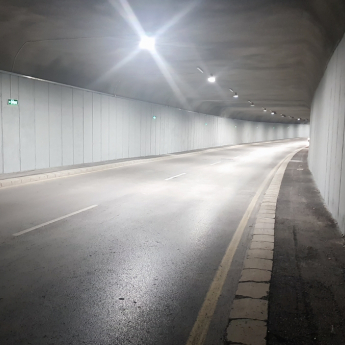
x: 235, y: 95
x: 148, y: 43
x: 211, y: 78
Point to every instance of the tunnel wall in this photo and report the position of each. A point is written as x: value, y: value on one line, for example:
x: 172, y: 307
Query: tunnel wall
x: 56, y: 125
x: 327, y: 134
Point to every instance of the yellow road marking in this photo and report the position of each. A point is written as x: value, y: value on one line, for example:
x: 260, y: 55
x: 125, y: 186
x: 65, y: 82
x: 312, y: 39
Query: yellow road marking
x: 202, y: 323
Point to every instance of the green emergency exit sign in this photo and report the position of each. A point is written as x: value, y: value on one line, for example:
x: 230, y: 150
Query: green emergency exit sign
x: 12, y: 102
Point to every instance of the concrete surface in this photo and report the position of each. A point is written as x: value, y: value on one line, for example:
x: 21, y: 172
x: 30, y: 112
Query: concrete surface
x: 271, y: 52
x: 307, y: 294
x: 136, y: 268
x: 327, y: 154
x: 56, y: 125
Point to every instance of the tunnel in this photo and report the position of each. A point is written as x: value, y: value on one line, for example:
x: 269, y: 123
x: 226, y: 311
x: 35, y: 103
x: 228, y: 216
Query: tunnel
x: 172, y: 172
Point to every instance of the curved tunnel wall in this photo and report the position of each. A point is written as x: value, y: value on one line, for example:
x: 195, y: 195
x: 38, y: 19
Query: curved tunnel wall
x: 56, y: 125
x: 327, y: 154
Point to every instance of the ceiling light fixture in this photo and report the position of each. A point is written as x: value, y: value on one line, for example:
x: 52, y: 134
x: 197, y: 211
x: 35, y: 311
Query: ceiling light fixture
x: 211, y: 78
x: 148, y: 43
x: 265, y: 110
x: 273, y: 112
x: 252, y: 104
x: 231, y: 90
x: 235, y: 95
x: 298, y: 119
x: 200, y: 70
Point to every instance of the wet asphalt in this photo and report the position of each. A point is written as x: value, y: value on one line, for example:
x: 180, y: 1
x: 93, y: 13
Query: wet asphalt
x: 136, y: 268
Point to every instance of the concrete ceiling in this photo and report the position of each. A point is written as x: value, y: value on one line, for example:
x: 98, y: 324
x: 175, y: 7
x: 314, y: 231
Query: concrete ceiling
x: 272, y: 52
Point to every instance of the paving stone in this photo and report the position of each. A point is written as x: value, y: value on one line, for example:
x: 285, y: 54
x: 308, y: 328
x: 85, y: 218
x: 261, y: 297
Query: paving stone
x: 261, y: 264
x: 253, y: 274
x: 263, y: 232
x: 253, y: 290
x: 267, y: 210
x: 265, y: 215
x: 249, y: 308
x: 260, y: 254
x: 264, y: 226
x: 265, y: 220
x: 263, y: 238
x: 248, y: 332
x: 262, y: 245
x: 269, y: 205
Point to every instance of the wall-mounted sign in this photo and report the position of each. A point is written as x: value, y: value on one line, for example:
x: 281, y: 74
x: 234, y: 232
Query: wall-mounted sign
x: 12, y: 102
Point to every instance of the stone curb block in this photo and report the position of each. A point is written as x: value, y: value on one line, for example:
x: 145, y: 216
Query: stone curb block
x: 261, y: 264
x: 248, y: 332
x: 249, y: 308
x: 253, y: 274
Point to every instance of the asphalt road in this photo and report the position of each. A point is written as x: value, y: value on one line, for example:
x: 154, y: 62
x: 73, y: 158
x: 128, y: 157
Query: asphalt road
x: 134, y: 269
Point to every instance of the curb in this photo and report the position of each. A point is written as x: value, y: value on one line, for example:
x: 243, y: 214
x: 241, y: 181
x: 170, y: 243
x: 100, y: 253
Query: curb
x: 11, y: 182
x: 249, y: 312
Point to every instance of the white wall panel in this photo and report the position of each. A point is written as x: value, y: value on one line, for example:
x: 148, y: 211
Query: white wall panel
x: 67, y: 126
x: 10, y: 122
x: 78, y: 126
x: 105, y: 127
x: 2, y: 100
x: 55, y: 125
x: 119, y: 129
x: 97, y: 128
x: 42, y: 125
x: 112, y: 128
x: 327, y: 136
x: 27, y: 124
x: 88, y: 132
x: 134, y: 129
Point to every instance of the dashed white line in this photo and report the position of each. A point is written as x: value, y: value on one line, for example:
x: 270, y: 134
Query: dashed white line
x: 53, y: 221
x: 170, y: 178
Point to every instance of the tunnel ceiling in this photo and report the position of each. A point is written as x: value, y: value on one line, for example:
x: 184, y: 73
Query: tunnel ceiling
x: 272, y: 53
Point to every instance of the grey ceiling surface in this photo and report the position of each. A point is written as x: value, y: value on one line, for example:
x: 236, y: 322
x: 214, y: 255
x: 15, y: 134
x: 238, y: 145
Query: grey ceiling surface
x: 272, y: 52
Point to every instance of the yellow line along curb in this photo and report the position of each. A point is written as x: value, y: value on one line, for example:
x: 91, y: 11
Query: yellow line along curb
x: 200, y: 329
x: 249, y: 313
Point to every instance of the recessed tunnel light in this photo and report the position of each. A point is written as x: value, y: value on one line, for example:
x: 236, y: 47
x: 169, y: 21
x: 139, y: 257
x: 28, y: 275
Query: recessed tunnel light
x: 200, y: 70
x: 265, y: 110
x: 211, y: 78
x: 298, y: 119
x: 273, y: 112
x: 235, y: 95
x: 231, y: 90
x: 148, y: 43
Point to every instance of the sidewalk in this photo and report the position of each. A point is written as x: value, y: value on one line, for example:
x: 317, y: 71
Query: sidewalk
x: 307, y: 292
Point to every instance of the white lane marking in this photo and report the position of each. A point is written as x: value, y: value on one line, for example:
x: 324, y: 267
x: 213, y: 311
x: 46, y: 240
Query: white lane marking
x: 215, y: 163
x: 53, y: 221
x: 170, y: 178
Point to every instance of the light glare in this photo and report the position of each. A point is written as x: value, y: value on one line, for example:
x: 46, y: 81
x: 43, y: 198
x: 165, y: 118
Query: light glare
x: 148, y: 43
x: 211, y: 79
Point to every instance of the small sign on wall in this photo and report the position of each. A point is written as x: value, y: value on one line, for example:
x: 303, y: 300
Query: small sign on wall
x: 12, y: 102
